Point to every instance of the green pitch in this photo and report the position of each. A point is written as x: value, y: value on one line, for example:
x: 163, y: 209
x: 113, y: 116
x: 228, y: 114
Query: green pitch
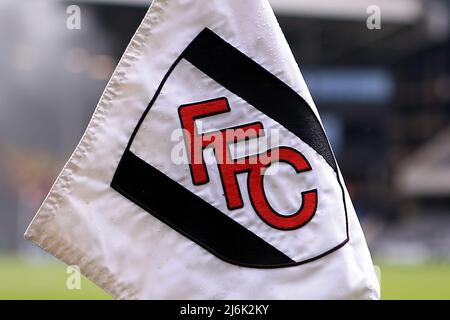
x: 41, y: 279
x: 44, y: 279
x: 426, y: 281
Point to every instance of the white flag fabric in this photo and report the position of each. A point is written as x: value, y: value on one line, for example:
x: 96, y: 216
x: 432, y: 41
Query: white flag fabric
x: 205, y: 172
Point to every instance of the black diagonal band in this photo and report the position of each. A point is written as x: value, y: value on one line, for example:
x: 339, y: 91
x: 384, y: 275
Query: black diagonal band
x: 195, y: 218
x: 261, y: 89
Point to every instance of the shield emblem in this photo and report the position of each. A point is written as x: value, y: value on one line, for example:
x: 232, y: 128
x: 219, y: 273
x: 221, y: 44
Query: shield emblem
x: 279, y: 206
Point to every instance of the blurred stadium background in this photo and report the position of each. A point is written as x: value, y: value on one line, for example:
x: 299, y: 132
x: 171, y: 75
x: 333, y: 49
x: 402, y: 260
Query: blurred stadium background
x: 384, y: 96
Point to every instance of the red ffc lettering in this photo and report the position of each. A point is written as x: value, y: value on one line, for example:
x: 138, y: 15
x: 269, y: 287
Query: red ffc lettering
x: 255, y: 166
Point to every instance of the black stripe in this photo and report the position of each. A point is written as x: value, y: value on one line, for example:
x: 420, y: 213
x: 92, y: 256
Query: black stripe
x: 173, y: 204
x: 250, y: 81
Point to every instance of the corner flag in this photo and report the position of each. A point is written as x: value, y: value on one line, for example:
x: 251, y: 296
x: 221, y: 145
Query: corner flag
x: 205, y: 172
